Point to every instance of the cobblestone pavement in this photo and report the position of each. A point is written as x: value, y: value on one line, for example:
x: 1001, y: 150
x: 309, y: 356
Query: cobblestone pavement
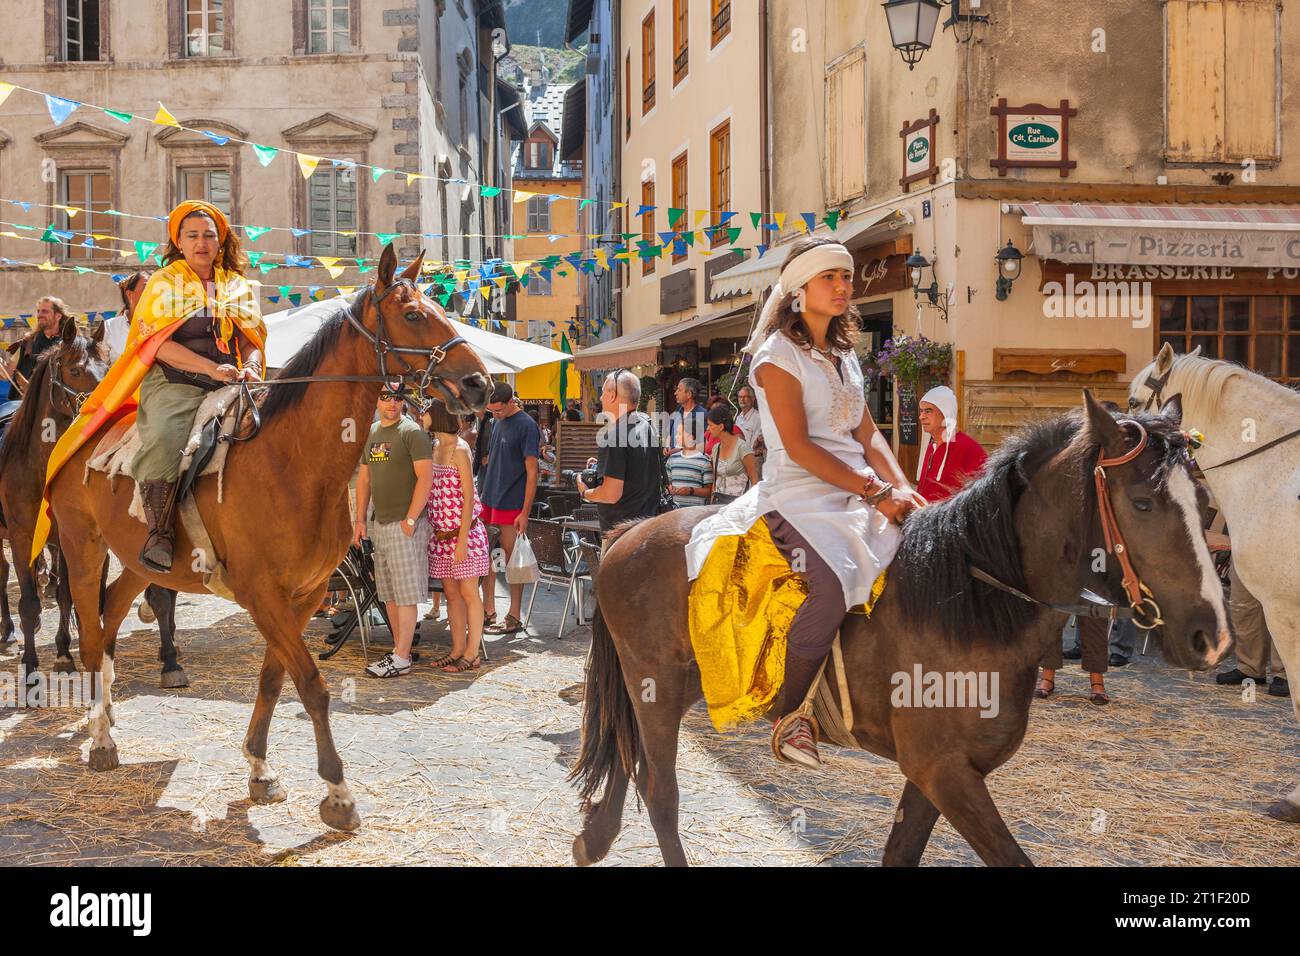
x: 459, y: 770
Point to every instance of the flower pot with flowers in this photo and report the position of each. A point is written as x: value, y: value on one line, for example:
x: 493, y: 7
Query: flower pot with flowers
x: 916, y: 364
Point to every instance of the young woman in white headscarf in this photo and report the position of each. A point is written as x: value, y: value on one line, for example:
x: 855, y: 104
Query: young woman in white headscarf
x: 832, y: 492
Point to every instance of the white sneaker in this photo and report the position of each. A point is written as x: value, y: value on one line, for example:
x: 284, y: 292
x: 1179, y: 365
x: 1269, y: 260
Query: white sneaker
x: 388, y: 666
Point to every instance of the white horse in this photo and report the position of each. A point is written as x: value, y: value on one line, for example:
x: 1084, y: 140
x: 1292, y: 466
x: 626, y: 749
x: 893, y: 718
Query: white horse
x: 1240, y: 413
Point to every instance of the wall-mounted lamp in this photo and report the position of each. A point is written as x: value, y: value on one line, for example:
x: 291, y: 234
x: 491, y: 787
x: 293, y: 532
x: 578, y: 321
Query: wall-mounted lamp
x: 916, y: 264
x: 912, y: 23
x: 1009, y: 260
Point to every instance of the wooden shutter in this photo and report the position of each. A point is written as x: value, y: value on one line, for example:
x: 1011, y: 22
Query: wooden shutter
x: 1250, y: 37
x: 846, y: 127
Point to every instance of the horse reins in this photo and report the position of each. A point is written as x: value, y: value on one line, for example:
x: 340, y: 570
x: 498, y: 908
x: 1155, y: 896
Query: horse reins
x: 1142, y: 609
x: 419, y: 378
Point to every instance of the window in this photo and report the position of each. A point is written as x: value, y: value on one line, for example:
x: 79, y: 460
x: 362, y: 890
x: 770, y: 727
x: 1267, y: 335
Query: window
x: 539, y: 214
x: 442, y: 212
x: 332, y: 207
x: 648, y: 63
x: 1261, y: 332
x: 210, y: 185
x: 720, y: 16
x: 681, y: 36
x: 88, y: 191
x: 538, y: 285
x: 679, y: 201
x: 1221, y: 80
x: 539, y: 154
x: 627, y: 84
x: 205, y: 27
x: 80, y: 30
x: 846, y: 130
x: 329, y: 26
x: 719, y: 178
x: 648, y: 224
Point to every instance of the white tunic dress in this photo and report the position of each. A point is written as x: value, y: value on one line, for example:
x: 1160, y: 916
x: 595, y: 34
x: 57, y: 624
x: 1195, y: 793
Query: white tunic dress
x: 853, y: 538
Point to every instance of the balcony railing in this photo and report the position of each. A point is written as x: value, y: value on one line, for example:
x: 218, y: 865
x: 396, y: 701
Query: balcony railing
x: 648, y: 97
x: 680, y: 64
x: 721, y: 22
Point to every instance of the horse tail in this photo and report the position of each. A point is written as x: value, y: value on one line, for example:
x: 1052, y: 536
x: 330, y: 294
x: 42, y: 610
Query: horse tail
x: 610, y: 739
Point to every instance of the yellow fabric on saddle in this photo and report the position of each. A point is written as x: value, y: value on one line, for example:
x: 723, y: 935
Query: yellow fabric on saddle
x: 740, y: 610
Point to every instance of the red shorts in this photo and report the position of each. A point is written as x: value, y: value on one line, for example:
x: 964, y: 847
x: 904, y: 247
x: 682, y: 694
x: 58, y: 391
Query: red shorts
x: 499, y: 516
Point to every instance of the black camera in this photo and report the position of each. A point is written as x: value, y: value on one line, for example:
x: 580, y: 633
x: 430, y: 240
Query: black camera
x: 590, y: 477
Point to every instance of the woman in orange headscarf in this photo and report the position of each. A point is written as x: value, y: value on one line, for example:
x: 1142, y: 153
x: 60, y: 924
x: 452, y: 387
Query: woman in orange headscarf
x: 196, y: 327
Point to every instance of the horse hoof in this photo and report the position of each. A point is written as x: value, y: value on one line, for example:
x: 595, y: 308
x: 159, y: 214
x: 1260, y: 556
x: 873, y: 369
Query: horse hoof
x: 339, y: 814
x: 174, y: 679
x: 1284, y: 810
x: 103, y: 758
x: 269, y: 791
x: 65, y: 665
x: 146, y: 615
x: 580, y: 855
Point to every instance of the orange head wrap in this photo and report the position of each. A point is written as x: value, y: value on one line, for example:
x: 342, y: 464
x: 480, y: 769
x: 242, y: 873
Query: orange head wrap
x: 188, y: 208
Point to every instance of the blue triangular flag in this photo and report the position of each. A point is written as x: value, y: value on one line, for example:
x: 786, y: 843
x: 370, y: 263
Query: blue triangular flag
x: 118, y: 276
x: 761, y: 249
x: 27, y: 207
x: 299, y: 233
x: 60, y: 109
x: 215, y: 137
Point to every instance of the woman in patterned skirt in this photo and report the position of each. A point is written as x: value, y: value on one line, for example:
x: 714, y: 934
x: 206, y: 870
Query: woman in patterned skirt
x: 458, y: 548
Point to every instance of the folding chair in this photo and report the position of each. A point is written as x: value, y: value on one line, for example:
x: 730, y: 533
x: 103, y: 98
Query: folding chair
x: 561, y: 506
x: 555, y: 562
x: 356, y: 576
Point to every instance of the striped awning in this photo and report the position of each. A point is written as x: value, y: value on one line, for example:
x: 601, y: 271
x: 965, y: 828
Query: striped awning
x: 1245, y: 236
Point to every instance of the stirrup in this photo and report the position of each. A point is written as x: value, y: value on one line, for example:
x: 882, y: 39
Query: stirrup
x: 778, y: 730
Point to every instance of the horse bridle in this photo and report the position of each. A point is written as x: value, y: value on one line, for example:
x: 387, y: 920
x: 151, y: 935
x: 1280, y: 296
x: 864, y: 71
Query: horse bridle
x: 77, y: 399
x: 420, y: 378
x: 1142, y: 609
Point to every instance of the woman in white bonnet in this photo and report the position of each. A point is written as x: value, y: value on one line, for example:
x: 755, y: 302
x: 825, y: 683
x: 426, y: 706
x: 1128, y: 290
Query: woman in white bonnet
x: 832, y: 491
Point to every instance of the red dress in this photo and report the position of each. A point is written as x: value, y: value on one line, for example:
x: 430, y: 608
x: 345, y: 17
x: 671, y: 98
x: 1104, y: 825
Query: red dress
x: 949, y: 466
x: 445, y: 503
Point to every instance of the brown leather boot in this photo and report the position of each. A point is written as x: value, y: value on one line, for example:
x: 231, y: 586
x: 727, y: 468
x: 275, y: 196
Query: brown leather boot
x: 158, y: 498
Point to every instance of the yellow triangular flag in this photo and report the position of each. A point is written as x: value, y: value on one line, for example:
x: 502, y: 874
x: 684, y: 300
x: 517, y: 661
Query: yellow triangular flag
x: 780, y: 220
x: 347, y: 289
x: 460, y: 275
x: 617, y: 205
x: 522, y: 266
x: 602, y: 257
x: 487, y: 291
x: 164, y: 118
x: 699, y: 215
x: 327, y: 261
x: 5, y: 90
x: 500, y: 281
x: 307, y: 164
x: 48, y: 266
x: 350, y: 232
x: 412, y: 177
x: 11, y: 235
x: 522, y: 194
x: 99, y: 237
x: 70, y: 210
x: 801, y: 225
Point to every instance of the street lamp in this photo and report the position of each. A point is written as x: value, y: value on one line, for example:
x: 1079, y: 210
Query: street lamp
x: 912, y: 23
x: 1009, y: 260
x: 916, y: 264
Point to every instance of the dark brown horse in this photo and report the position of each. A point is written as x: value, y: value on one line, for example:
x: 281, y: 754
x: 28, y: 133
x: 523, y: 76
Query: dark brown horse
x: 284, y: 525
x: 63, y: 376
x: 1031, y: 521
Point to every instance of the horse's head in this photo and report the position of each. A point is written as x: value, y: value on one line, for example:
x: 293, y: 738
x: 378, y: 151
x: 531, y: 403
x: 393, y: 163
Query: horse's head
x: 77, y: 364
x: 1149, y: 389
x: 414, y: 339
x: 1158, y: 511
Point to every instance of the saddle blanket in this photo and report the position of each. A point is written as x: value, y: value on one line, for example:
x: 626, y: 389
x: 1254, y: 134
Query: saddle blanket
x: 120, y: 444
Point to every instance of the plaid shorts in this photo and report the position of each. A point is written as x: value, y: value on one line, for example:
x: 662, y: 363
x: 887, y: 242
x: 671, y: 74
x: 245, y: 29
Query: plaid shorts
x: 401, y: 563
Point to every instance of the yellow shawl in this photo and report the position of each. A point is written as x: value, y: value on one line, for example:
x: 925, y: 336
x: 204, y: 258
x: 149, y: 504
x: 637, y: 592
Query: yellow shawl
x: 172, y: 295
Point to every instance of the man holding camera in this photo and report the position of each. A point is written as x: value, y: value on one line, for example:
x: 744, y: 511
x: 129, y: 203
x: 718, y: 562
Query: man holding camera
x: 628, y: 468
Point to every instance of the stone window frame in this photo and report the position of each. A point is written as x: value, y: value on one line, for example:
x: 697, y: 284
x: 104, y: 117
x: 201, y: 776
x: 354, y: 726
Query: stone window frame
x: 176, y: 48
x: 353, y: 145
x: 300, y: 32
x: 105, y: 156
x: 185, y: 153
x: 54, y: 13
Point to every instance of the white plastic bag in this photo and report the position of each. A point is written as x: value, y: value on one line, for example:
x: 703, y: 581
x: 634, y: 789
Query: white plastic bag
x: 522, y: 567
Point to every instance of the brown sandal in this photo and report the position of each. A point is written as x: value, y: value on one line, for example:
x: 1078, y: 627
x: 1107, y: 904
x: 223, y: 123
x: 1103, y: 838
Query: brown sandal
x: 1041, y: 692
x: 1099, y: 697
x: 444, y: 660
x: 460, y: 665
x: 511, y: 625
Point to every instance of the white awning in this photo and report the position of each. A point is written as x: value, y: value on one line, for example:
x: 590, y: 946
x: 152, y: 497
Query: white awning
x: 761, y: 272
x: 1255, y: 236
x: 290, y: 330
x: 642, y: 346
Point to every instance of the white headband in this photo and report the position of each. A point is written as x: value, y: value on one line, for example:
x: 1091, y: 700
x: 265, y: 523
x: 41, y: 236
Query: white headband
x: 795, y: 275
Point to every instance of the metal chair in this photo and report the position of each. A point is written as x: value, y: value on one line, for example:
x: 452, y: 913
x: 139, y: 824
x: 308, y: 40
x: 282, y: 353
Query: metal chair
x: 586, y: 513
x: 585, y: 569
x: 555, y: 563
x: 561, y: 506
x: 356, y: 576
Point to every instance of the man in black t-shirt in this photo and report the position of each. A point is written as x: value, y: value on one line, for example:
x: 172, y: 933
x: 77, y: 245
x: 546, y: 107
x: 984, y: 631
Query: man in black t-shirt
x: 629, y: 460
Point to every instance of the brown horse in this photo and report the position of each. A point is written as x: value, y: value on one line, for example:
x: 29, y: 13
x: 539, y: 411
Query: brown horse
x: 1031, y: 521
x: 284, y: 525
x: 64, y: 375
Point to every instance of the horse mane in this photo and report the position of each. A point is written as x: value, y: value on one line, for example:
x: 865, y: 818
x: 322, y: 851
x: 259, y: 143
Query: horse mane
x: 1202, y: 381
x: 18, y: 436
x: 304, y: 363
x: 976, y: 527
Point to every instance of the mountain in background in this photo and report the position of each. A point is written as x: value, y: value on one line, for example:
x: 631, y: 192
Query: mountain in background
x: 563, y: 66
x: 525, y: 19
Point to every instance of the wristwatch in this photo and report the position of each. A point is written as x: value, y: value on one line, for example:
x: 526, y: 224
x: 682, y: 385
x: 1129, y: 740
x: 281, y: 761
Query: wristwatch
x: 410, y: 522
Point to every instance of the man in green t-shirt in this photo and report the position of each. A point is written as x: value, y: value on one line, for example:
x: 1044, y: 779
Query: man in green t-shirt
x: 396, y: 473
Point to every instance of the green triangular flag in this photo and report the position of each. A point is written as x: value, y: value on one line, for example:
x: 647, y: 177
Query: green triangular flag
x: 489, y: 192
x: 832, y: 218
x: 362, y: 268
x: 255, y: 233
x: 266, y: 267
x: 376, y: 172
x: 284, y: 289
x: 733, y: 234
x: 296, y: 298
x: 255, y: 257
x: 755, y: 218
x: 444, y: 299
x: 582, y: 204
x: 386, y: 237
x: 83, y: 269
x: 673, y: 216
x: 265, y: 153
x: 120, y: 117
x: 157, y: 258
x: 49, y: 235
x: 689, y: 237
x: 145, y: 249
